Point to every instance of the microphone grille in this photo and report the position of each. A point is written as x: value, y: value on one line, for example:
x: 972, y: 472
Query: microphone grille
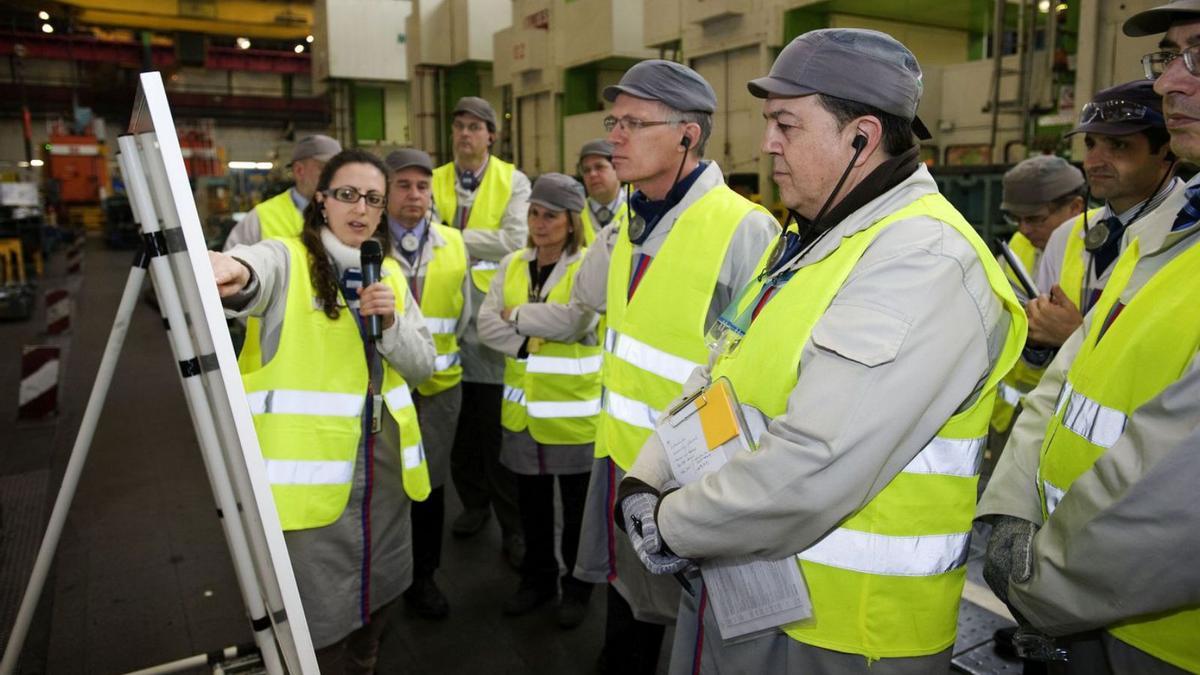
x: 371, y: 248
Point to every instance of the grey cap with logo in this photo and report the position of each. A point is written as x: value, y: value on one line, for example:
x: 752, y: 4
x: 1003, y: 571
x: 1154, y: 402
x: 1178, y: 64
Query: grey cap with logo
x: 856, y: 64
x: 1037, y: 181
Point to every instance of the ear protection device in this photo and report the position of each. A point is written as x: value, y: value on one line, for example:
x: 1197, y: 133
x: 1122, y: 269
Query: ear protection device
x: 686, y: 141
x: 859, y: 142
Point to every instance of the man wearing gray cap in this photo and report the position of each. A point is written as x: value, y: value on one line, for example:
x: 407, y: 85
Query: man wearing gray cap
x: 1095, y: 494
x: 865, y: 353
x: 690, y: 243
x: 1040, y: 194
x: 434, y: 259
x: 280, y: 216
x: 605, y: 198
x: 486, y: 199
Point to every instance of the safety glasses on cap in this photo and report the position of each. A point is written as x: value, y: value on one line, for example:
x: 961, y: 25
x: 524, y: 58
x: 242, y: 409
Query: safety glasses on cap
x: 1117, y: 110
x: 1156, y: 63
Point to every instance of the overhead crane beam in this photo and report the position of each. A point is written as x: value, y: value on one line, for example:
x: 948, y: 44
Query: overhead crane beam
x: 234, y: 18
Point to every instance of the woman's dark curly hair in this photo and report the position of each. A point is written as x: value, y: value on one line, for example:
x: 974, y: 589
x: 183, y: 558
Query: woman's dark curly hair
x: 321, y: 271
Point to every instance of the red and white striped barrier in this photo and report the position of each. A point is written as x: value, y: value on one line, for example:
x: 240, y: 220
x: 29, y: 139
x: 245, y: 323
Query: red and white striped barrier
x: 58, y: 311
x: 75, y: 256
x: 39, y: 382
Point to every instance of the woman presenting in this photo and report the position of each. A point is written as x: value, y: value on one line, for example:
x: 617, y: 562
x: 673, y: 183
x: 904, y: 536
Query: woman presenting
x: 551, y: 397
x: 332, y: 409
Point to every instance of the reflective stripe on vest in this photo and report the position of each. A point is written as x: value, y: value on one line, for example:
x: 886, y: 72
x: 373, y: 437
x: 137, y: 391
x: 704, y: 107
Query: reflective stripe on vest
x: 290, y: 402
x: 649, y: 359
x: 900, y: 558
x: 308, y: 411
x: 441, y: 326
x: 656, y: 338
x: 554, y: 393
x: 1153, y: 341
x: 277, y: 218
x: 487, y: 209
x: 308, y: 472
x: 442, y: 304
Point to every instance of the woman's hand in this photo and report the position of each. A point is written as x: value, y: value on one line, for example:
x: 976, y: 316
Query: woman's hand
x: 230, y: 273
x: 378, y: 299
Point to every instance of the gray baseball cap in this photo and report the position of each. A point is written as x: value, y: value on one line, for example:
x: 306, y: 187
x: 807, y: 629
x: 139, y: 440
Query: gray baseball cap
x: 856, y: 64
x: 596, y: 146
x: 1037, y: 181
x: 473, y: 105
x: 1159, y: 19
x: 406, y: 158
x: 557, y: 192
x: 673, y: 84
x: 317, y: 146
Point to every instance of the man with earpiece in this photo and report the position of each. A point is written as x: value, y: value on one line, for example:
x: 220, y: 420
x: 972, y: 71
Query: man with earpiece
x: 865, y: 352
x: 661, y: 276
x: 487, y: 199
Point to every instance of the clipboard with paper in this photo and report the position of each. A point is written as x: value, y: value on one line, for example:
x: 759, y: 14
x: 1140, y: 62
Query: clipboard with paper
x: 748, y: 595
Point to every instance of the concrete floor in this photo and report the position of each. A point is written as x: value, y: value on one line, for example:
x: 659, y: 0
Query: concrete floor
x: 142, y: 575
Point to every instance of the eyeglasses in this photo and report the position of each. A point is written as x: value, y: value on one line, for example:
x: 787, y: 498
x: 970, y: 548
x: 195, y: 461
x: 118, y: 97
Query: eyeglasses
x: 1119, y: 111
x: 473, y: 127
x: 350, y: 195
x: 1155, y: 64
x: 631, y: 124
x: 1033, y: 220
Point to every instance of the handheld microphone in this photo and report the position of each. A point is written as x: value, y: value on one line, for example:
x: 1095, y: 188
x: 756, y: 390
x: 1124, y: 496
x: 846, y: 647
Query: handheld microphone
x: 371, y: 262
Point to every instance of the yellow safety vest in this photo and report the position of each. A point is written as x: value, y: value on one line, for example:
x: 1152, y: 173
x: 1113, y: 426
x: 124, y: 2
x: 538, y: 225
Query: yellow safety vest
x: 1023, y: 377
x: 487, y: 210
x: 278, y: 218
x: 555, y: 391
x: 655, y: 341
x: 442, y: 303
x: 1147, y: 348
x: 591, y: 227
x: 308, y: 402
x: 887, y: 581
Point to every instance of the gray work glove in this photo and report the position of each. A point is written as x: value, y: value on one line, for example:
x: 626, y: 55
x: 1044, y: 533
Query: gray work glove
x: 1010, y: 558
x: 638, y: 511
x: 1009, y: 554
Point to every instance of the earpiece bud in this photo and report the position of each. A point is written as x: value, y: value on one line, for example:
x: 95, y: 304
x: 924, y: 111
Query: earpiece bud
x: 859, y: 142
x: 686, y: 141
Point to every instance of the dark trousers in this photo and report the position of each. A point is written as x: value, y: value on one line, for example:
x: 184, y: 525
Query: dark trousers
x: 427, y: 520
x: 479, y: 477
x: 630, y: 646
x: 536, y: 497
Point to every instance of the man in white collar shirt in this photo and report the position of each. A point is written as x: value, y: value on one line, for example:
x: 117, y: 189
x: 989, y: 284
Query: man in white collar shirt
x: 1093, y: 502
x: 280, y: 216
x: 434, y: 260
x: 1129, y: 166
x: 487, y: 199
x: 605, y: 197
x: 865, y: 352
x: 662, y: 279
